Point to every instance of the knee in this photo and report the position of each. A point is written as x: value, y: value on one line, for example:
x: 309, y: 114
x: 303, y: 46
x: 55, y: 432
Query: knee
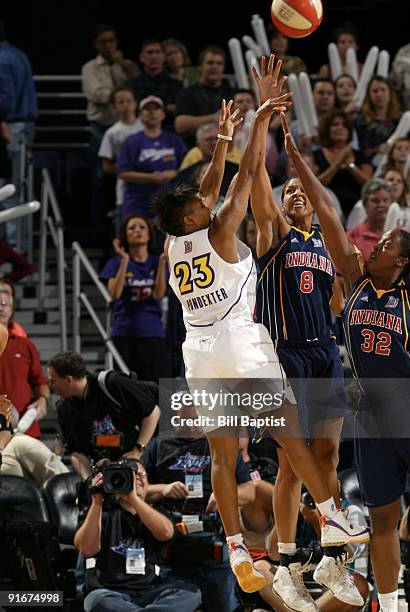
x: 383, y: 522
x: 328, y: 457
x: 288, y: 477
x: 101, y: 600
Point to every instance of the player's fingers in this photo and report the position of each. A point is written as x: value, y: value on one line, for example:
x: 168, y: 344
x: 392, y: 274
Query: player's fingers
x: 255, y: 74
x: 271, y: 63
x: 263, y: 65
x: 235, y: 112
x: 237, y: 122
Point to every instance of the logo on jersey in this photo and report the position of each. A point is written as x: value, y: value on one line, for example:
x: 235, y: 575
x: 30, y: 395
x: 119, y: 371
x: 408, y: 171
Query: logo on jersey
x: 294, y: 240
x: 365, y: 298
x: 392, y: 302
x: 317, y: 242
x: 188, y: 246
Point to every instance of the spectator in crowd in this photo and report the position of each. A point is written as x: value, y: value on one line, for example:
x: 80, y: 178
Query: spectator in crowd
x: 178, y: 63
x: 125, y: 541
x: 100, y: 76
x: 244, y: 99
x: 20, y: 266
x: 137, y: 281
x: 345, y: 88
x: 147, y: 161
x: 6, y: 286
x: 21, y: 375
x: 399, y: 156
x: 279, y: 44
x: 18, y: 108
x: 378, y: 118
x: 25, y: 456
x: 201, y: 102
x: 107, y: 414
x: 345, y: 37
x: 179, y: 473
x: 399, y: 211
x: 206, y: 139
x: 377, y: 196
x: 341, y: 168
x: 125, y: 106
x: 400, y: 75
x: 154, y: 80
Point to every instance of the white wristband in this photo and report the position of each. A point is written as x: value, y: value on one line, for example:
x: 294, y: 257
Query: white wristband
x: 223, y: 137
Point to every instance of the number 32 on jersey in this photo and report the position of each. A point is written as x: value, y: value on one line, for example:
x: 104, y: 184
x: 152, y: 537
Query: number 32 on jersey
x: 200, y: 274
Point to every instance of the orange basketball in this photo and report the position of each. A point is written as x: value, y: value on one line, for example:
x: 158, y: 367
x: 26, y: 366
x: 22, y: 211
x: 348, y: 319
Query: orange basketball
x: 296, y: 18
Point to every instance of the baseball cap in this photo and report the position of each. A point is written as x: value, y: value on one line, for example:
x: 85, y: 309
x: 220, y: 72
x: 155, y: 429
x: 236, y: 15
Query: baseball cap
x: 151, y: 100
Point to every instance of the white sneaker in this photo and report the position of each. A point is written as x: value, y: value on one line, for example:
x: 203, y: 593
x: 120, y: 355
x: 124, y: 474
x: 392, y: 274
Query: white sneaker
x: 250, y: 580
x: 341, y: 530
x: 289, y: 586
x: 334, y: 574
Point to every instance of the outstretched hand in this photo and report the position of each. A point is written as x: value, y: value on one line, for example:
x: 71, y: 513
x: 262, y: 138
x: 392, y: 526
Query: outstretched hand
x: 272, y: 105
x: 270, y: 82
x: 228, y: 121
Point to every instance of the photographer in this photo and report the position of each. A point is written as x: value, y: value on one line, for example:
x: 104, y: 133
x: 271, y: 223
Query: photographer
x: 109, y: 415
x: 122, y: 544
x: 179, y: 473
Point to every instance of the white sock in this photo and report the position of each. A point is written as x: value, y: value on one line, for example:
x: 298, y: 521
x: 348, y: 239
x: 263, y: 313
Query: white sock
x: 389, y: 602
x: 287, y: 548
x: 235, y: 539
x: 328, y: 508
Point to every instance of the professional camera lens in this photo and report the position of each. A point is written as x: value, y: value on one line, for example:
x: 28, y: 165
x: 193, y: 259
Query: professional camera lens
x: 118, y: 479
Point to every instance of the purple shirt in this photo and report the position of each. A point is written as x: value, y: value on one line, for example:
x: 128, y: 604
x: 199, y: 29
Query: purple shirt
x: 141, y: 153
x: 136, y: 312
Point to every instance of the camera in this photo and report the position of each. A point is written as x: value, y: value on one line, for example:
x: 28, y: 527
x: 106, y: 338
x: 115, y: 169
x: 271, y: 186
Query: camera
x: 118, y: 477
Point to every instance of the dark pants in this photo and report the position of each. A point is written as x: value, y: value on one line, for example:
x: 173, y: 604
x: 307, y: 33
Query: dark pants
x: 148, y: 357
x: 157, y: 599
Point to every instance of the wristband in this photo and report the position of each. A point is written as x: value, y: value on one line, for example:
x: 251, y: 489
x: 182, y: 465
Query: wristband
x: 140, y: 447
x: 223, y: 137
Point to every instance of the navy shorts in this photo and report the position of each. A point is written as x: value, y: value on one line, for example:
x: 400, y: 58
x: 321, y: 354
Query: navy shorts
x: 317, y: 378
x: 382, y: 465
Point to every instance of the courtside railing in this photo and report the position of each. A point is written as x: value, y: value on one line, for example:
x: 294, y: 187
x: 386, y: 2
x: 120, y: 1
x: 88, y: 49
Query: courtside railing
x: 80, y: 298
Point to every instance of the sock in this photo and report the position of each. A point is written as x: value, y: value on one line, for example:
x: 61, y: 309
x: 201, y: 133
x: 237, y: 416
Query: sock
x: 287, y: 552
x: 389, y: 602
x: 333, y: 551
x: 235, y: 539
x: 328, y: 508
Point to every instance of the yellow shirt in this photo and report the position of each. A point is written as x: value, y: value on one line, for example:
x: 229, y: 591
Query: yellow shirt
x: 195, y: 155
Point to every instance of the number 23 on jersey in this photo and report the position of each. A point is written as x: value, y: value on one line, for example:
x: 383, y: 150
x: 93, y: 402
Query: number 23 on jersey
x: 200, y: 274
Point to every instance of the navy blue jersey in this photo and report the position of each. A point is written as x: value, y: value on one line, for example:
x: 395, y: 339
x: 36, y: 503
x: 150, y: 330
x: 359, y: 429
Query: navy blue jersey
x: 295, y: 288
x: 376, y: 330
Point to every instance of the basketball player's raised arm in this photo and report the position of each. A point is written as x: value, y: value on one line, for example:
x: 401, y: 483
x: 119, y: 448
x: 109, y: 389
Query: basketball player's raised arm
x: 235, y: 206
x: 211, y: 183
x: 340, y: 248
x: 270, y: 223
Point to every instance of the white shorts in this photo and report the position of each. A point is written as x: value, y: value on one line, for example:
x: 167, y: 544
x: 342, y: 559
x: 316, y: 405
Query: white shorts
x: 242, y: 352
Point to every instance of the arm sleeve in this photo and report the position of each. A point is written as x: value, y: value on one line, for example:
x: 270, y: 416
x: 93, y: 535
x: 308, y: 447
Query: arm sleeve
x: 149, y: 459
x: 36, y: 375
x: 106, y: 149
x: 137, y: 398
x: 110, y: 269
x: 242, y: 473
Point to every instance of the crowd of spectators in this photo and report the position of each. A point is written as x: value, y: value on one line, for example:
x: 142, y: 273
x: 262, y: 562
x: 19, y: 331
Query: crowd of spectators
x: 154, y: 123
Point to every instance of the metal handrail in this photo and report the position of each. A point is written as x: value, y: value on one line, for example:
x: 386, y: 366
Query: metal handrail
x: 54, y: 225
x: 80, y: 297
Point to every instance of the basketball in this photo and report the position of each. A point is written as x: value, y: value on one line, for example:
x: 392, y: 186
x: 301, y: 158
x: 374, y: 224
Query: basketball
x: 296, y: 18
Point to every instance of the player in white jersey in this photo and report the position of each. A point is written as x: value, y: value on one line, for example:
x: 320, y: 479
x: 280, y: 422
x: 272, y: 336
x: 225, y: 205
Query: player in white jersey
x: 210, y: 272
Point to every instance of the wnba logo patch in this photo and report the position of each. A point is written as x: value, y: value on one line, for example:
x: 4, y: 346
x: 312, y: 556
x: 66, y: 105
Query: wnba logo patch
x: 392, y: 302
x: 188, y: 246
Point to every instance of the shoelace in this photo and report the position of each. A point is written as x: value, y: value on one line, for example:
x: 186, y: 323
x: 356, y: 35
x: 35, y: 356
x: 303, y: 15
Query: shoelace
x: 296, y: 574
x: 344, y: 569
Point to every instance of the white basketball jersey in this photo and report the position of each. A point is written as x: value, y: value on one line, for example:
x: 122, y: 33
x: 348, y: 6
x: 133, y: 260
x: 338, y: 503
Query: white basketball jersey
x: 209, y: 288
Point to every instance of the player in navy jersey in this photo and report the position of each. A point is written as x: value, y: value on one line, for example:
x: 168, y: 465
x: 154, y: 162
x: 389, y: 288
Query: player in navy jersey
x: 376, y: 317
x: 295, y: 287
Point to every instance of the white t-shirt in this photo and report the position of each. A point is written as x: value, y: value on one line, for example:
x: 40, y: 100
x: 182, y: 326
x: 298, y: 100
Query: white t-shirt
x: 111, y: 143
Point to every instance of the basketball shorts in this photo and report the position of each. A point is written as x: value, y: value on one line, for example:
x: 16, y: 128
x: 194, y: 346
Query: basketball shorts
x: 238, y: 359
